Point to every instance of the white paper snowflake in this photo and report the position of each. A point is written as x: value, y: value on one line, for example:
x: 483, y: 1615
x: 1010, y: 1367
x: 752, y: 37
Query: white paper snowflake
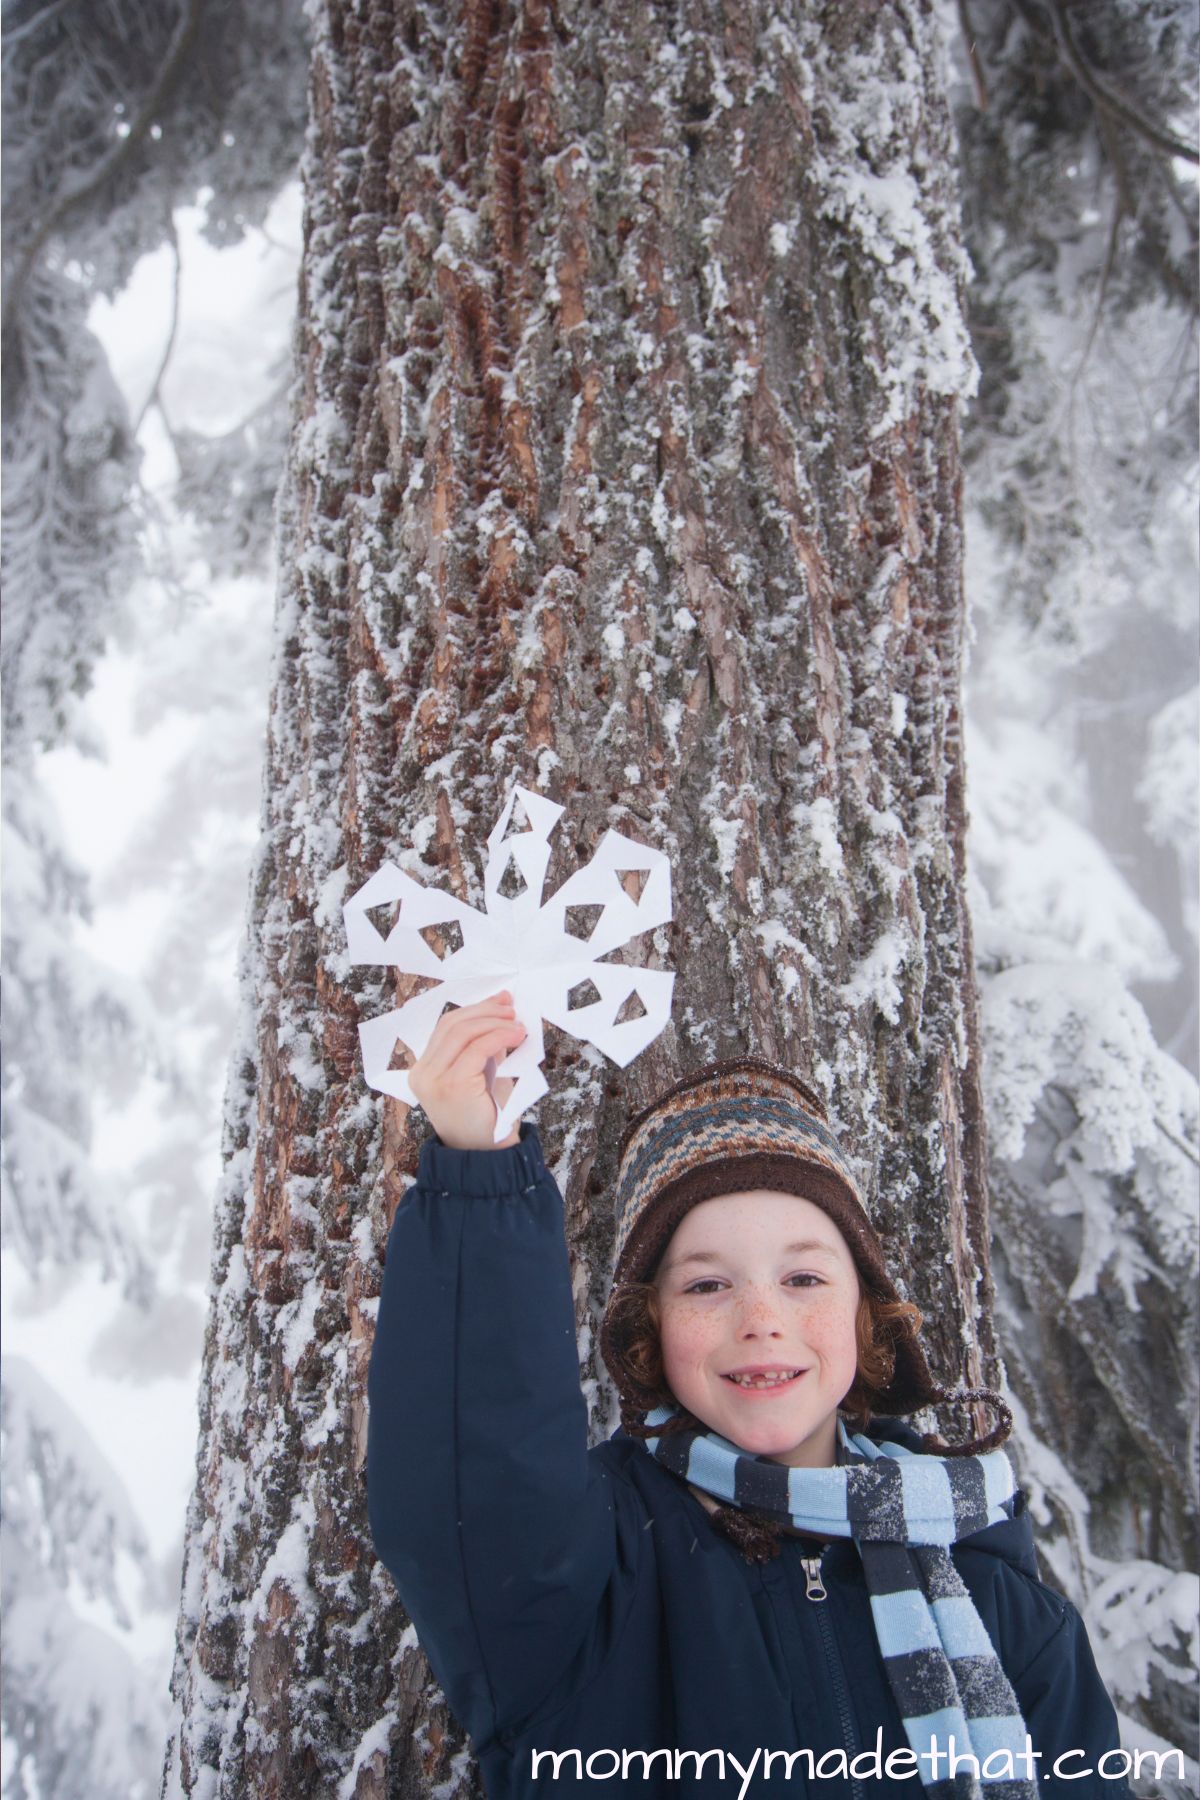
x: 522, y: 944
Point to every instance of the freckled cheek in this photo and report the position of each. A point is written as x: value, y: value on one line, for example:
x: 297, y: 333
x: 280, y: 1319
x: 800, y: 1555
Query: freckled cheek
x: 688, y: 1337
x: 831, y: 1333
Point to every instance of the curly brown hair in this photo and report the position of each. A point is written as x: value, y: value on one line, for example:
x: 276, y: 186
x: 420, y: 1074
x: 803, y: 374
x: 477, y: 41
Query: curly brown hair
x: 634, y: 1326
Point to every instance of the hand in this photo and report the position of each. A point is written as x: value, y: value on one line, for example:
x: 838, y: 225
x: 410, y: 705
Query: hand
x: 450, y: 1079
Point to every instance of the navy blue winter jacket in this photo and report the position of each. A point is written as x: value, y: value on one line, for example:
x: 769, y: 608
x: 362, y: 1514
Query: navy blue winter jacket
x: 576, y: 1600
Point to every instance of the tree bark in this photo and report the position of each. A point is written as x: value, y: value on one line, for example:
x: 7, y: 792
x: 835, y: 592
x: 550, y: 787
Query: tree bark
x: 625, y: 464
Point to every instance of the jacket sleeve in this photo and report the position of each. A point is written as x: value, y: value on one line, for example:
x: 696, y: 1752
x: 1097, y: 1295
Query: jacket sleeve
x: 1070, y: 1717
x: 484, y: 1505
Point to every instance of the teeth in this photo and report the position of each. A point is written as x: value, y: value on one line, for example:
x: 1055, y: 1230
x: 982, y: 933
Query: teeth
x: 772, y: 1380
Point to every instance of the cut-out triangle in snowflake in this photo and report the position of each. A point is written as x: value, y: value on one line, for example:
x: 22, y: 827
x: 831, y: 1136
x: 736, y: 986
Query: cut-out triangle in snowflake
x: 536, y: 949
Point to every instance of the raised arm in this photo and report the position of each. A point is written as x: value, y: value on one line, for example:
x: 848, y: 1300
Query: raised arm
x: 483, y: 1502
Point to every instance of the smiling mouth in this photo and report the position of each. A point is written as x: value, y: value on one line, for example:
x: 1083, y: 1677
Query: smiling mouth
x: 764, y: 1380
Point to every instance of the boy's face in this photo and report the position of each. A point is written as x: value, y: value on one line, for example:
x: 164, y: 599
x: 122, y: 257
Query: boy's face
x: 758, y: 1296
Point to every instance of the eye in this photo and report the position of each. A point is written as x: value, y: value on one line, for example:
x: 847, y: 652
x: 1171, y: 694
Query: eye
x: 708, y: 1284
x: 804, y: 1280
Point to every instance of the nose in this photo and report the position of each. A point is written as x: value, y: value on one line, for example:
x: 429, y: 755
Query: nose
x: 759, y: 1315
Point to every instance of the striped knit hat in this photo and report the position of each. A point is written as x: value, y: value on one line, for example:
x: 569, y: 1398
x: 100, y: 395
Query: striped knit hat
x: 734, y: 1127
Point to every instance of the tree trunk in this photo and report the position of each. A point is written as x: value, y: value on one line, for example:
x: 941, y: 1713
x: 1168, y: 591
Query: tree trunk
x: 625, y: 464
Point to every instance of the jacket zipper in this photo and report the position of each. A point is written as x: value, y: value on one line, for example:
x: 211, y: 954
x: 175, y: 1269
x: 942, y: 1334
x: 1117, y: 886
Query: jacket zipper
x: 814, y: 1588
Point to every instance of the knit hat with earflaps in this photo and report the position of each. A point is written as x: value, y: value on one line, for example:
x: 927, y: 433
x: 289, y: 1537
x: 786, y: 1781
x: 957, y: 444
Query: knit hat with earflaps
x: 735, y: 1127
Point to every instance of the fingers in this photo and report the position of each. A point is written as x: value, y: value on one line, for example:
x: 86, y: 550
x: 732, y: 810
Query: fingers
x: 493, y: 1043
x: 457, y: 1028
x: 467, y: 1074
x: 462, y: 1042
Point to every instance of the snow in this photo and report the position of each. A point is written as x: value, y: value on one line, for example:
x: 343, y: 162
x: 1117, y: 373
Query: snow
x: 1142, y: 1616
x: 1076, y: 1028
x: 1043, y: 866
x: 374, y: 1742
x: 876, y: 977
x: 819, y: 819
x: 235, y: 318
x: 672, y: 719
x: 154, y: 796
x: 1167, y: 790
x: 782, y: 236
x: 294, y: 1324
x: 287, y: 1563
x: 726, y: 833
x: 870, y: 183
x: 96, y: 1690
x: 775, y: 936
x: 1081, y: 756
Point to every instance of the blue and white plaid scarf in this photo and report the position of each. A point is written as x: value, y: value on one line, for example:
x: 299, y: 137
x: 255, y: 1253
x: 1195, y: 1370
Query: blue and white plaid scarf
x: 903, y: 1510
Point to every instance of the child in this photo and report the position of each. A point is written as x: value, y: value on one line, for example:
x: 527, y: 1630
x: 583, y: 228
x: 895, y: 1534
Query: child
x: 737, y: 1594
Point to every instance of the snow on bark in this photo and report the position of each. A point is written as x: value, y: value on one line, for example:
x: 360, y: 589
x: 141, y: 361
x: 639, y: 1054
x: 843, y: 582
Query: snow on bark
x: 625, y: 464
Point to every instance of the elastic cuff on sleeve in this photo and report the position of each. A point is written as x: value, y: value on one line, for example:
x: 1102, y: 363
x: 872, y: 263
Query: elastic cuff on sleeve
x: 482, y: 1174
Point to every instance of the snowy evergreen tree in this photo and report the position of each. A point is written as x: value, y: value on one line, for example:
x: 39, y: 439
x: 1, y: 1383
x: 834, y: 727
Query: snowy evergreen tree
x: 626, y: 464
x: 1077, y: 137
x: 113, y: 116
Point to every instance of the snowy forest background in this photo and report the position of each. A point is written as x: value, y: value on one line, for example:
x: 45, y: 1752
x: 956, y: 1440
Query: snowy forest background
x: 153, y: 235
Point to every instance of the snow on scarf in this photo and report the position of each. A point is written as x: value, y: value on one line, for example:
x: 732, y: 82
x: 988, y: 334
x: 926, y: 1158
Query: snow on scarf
x: 903, y: 1510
